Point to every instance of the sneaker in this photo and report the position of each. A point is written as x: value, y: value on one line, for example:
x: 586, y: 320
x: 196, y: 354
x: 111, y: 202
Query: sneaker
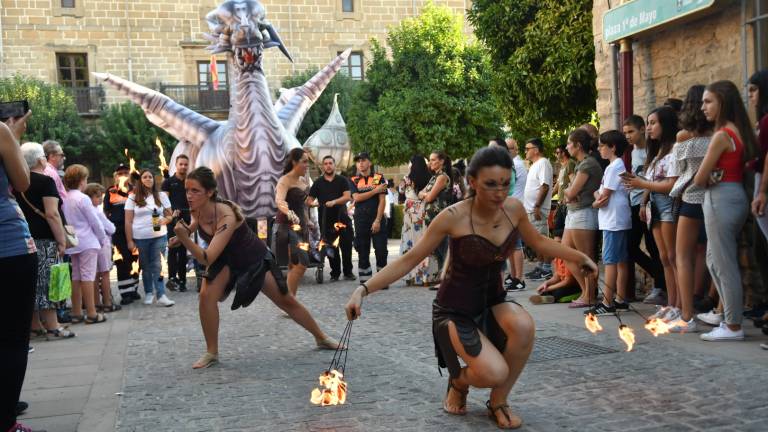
x: 182, y: 287
x: 149, y: 298
x: 545, y: 274
x: 722, y: 333
x: 517, y: 285
x: 171, y: 284
x: 712, y: 318
x: 349, y: 277
x: 673, y: 314
x: 621, y: 306
x: 532, y: 273
x: 334, y: 278
x: 600, y: 309
x: 682, y: 326
x: 656, y: 296
x: 541, y: 299
x: 764, y: 346
x: 165, y: 301
x: 508, y: 283
x: 660, y: 312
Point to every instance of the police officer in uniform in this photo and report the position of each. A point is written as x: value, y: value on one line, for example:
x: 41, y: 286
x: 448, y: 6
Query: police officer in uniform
x: 369, y: 191
x: 114, y: 208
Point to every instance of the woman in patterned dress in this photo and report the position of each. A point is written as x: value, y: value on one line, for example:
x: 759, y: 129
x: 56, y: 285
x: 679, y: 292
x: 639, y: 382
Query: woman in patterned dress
x: 413, y: 218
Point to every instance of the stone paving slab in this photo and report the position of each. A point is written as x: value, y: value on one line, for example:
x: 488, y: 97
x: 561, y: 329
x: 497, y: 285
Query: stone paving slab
x: 269, y: 366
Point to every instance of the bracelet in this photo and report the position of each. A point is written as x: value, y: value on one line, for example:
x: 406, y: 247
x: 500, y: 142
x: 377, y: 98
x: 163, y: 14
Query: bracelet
x: 365, y: 287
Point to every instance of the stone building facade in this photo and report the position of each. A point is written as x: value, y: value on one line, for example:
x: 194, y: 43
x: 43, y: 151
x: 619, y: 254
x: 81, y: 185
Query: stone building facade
x: 724, y: 41
x: 159, y: 42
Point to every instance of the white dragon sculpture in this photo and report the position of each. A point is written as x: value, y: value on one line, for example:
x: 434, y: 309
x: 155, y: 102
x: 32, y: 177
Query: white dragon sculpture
x: 247, y: 151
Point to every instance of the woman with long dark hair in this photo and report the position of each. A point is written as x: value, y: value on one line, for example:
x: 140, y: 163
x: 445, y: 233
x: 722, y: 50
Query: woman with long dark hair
x: 436, y: 196
x: 235, y: 260
x: 293, y: 215
x: 413, y: 219
x: 690, y: 240
x: 758, y: 98
x: 661, y: 175
x: 147, y: 212
x: 725, y: 200
x: 472, y: 319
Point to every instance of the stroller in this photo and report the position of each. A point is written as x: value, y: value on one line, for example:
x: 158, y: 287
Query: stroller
x: 317, y: 252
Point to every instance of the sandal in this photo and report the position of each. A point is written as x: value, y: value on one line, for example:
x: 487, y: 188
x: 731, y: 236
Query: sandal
x: 61, y: 333
x: 205, y: 361
x: 111, y: 308
x: 99, y: 318
x: 76, y: 319
x: 329, y: 343
x: 507, y: 414
x: 462, y: 408
x: 36, y: 333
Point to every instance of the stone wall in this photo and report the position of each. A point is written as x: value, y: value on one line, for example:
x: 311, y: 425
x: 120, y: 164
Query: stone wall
x: 671, y: 59
x: 163, y: 37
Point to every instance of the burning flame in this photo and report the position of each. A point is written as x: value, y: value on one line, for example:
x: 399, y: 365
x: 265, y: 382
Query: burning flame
x: 163, y: 165
x: 590, y: 321
x: 304, y: 246
x: 657, y: 327
x: 121, y: 183
x: 135, y: 268
x: 296, y: 227
x: 336, y: 242
x: 339, y: 226
x: 116, y: 255
x: 627, y: 335
x: 333, y: 389
x: 131, y: 162
x: 320, y: 245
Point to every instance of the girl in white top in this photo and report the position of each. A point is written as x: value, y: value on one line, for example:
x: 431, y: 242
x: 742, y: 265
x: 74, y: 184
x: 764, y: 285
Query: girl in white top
x: 147, y: 212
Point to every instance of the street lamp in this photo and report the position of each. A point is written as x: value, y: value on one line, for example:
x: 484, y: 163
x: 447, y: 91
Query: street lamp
x: 331, y: 139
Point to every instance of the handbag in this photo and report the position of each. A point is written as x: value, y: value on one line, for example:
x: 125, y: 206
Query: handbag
x: 70, y: 237
x: 60, y: 284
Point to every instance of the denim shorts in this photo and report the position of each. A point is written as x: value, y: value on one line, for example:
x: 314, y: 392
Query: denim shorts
x: 692, y: 211
x: 615, y: 247
x: 661, y: 207
x: 582, y: 219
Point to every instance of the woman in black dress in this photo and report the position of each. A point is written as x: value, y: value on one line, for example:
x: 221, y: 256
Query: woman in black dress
x: 235, y: 260
x: 471, y: 317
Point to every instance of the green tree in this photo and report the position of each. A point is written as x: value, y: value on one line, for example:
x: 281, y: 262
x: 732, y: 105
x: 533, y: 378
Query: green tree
x: 433, y: 93
x: 54, y: 114
x: 319, y: 112
x: 124, y: 126
x: 543, y: 58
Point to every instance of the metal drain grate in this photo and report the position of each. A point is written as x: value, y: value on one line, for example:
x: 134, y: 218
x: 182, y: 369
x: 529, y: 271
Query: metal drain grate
x: 556, y: 347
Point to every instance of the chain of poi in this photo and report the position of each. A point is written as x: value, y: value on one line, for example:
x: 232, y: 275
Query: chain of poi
x: 339, y: 360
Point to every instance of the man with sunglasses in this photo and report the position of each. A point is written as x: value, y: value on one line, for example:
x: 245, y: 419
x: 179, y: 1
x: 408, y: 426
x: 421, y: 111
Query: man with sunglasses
x: 537, y: 199
x: 55, y: 157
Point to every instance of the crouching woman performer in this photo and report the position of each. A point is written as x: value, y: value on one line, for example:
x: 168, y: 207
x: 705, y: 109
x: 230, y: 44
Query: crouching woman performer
x: 235, y: 260
x: 471, y: 317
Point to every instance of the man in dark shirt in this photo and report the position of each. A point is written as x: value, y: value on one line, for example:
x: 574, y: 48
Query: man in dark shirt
x: 332, y: 194
x: 114, y: 208
x: 177, y: 256
x: 369, y: 193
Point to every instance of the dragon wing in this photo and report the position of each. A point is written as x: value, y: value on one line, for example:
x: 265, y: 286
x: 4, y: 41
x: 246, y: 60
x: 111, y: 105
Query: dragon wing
x: 181, y: 122
x: 294, y: 103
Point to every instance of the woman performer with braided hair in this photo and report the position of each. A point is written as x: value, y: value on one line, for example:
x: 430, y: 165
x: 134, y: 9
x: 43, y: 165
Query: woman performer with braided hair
x: 235, y: 260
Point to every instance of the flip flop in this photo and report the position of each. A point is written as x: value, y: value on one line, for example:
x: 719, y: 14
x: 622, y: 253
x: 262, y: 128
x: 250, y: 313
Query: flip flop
x: 577, y: 304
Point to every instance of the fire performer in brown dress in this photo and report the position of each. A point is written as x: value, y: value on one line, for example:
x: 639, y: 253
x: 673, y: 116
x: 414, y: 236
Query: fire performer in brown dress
x: 471, y: 317
x: 235, y: 260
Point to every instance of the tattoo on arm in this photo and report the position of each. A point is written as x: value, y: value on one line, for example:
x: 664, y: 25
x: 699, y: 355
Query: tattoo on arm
x: 222, y: 228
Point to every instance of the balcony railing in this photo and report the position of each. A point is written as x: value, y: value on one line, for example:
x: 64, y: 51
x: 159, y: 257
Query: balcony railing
x: 198, y: 98
x: 89, y: 100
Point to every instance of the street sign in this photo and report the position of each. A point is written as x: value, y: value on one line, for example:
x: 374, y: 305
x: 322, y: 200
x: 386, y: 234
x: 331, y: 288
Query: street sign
x: 640, y: 15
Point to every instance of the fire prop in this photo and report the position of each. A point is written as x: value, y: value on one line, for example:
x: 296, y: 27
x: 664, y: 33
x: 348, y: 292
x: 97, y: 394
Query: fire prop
x: 627, y: 335
x: 163, y: 165
x: 333, y: 388
x: 135, y: 268
x: 296, y: 227
x: 657, y: 327
x: 116, y: 255
x: 131, y: 163
x: 593, y: 326
x: 303, y: 246
x: 121, y: 183
x: 338, y: 226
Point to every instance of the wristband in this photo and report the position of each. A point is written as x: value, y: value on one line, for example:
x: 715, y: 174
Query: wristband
x: 365, y: 287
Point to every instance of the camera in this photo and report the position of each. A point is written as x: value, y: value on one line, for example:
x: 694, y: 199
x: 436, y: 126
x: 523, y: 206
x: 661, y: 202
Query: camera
x: 13, y: 109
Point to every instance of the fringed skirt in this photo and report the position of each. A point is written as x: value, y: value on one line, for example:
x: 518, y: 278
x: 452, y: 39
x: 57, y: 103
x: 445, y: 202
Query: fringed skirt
x: 248, y: 282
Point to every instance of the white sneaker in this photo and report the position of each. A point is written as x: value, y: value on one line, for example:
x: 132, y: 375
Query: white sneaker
x: 149, y: 298
x: 723, y: 333
x: 661, y: 311
x: 681, y: 326
x: 673, y: 314
x: 656, y: 296
x: 711, y: 318
x: 165, y: 301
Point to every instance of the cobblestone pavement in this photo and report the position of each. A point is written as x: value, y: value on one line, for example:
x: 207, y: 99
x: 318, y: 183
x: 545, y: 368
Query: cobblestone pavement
x: 269, y: 366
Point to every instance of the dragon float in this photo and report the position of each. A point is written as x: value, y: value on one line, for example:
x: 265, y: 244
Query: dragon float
x: 247, y: 151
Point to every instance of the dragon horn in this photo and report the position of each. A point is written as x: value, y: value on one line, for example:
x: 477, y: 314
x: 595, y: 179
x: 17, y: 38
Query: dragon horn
x: 162, y: 111
x: 294, y: 103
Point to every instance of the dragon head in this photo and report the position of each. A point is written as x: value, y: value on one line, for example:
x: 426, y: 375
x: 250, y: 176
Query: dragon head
x: 241, y: 27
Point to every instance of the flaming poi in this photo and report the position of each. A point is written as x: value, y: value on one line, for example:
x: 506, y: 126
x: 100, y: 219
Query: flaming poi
x: 657, y: 327
x: 131, y: 163
x: 121, y: 183
x: 590, y: 321
x: 163, y: 165
x: 296, y: 227
x: 116, y: 255
x: 336, y: 242
x: 135, y: 268
x: 627, y: 335
x: 320, y: 245
x: 332, y: 391
x: 338, y: 226
x: 303, y: 246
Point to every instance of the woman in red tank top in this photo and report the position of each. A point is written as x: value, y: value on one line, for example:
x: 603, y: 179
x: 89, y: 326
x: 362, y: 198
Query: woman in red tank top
x: 471, y: 317
x: 725, y: 201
